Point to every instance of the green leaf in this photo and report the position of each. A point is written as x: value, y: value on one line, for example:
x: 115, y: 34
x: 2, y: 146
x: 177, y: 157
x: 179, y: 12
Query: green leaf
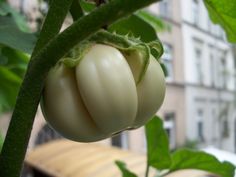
x: 11, y: 36
x: 76, y: 10
x: 157, y: 144
x: 7, y: 75
x: 14, y: 60
x: 164, y: 69
x: 156, y: 22
x: 136, y: 26
x: 6, y: 9
x: 87, y: 6
x: 12, y: 70
x: 224, y: 14
x: 8, y: 94
x: 125, y: 172
x: 188, y: 159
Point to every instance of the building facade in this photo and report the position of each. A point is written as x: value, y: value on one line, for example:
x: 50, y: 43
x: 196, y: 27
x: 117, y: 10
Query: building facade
x: 199, y: 106
x: 209, y: 79
x: 173, y: 110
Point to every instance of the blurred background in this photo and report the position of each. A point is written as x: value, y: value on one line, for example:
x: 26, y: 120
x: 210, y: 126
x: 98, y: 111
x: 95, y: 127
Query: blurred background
x: 199, y: 108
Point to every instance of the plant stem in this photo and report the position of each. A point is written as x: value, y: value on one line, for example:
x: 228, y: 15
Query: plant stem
x: 76, y: 10
x: 53, y: 22
x: 17, y: 138
x: 18, y: 134
x: 147, y: 170
x: 99, y: 2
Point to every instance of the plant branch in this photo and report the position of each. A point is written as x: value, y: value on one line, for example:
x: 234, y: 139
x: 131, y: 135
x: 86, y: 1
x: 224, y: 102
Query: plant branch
x: 147, y: 170
x: 99, y: 2
x: 30, y: 93
x: 76, y: 10
x: 53, y: 22
x: 17, y: 138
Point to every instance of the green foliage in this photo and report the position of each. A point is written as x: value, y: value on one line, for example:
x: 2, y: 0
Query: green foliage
x: 164, y: 69
x: 6, y: 9
x: 13, y: 64
x: 187, y: 159
x: 14, y: 43
x: 136, y: 26
x: 191, y: 144
x: 159, y: 156
x: 12, y: 36
x: 87, y: 6
x: 124, y: 170
x: 224, y: 14
x: 156, y: 22
x: 157, y: 144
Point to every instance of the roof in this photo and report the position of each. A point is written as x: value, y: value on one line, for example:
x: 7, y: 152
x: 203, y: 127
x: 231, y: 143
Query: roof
x: 64, y: 158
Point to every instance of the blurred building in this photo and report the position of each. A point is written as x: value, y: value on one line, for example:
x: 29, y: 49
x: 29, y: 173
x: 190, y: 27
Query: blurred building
x: 32, y: 10
x: 209, y: 79
x: 199, y: 103
x: 199, y: 108
x: 201, y: 64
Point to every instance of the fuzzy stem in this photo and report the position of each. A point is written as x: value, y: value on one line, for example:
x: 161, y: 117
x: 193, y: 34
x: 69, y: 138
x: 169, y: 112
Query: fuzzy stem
x: 99, y: 2
x: 53, y: 22
x: 147, y: 170
x: 18, y: 134
x: 20, y: 127
x: 76, y: 10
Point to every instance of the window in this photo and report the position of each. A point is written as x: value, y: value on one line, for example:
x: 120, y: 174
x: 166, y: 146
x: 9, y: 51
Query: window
x: 198, y: 62
x: 167, y: 59
x: 225, y: 122
x: 225, y: 132
x: 223, y: 72
x: 195, y: 11
x: 46, y: 134
x: 209, y: 24
x: 212, y: 69
x: 214, y: 125
x: 169, y: 125
x: 222, y: 69
x: 235, y: 135
x: 165, y: 8
x: 221, y: 33
x: 120, y: 140
x: 200, y: 126
x: 200, y: 130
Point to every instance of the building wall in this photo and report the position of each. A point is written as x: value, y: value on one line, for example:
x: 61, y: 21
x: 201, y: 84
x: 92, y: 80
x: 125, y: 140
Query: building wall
x: 30, y: 8
x: 174, y: 100
x: 209, y: 45
x: 174, y: 103
x: 217, y: 107
x: 209, y: 79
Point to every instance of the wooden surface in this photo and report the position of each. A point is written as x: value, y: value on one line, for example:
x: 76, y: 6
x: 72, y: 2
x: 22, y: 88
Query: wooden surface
x: 63, y: 158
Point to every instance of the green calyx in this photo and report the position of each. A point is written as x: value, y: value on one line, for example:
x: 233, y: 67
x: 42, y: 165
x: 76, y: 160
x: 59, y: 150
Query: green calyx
x: 127, y: 45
